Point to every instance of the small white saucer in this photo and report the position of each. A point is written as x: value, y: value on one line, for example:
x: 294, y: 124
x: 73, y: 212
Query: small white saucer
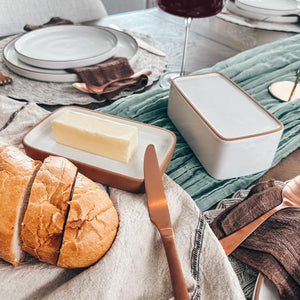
x: 282, y: 90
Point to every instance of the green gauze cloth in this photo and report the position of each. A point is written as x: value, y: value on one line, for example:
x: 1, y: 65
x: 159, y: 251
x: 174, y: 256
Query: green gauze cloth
x: 253, y: 70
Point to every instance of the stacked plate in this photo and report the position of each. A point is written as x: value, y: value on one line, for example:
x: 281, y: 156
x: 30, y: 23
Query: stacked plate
x: 276, y: 11
x: 45, y: 54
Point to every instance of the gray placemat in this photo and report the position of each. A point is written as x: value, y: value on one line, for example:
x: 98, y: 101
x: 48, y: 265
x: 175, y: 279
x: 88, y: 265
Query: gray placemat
x: 52, y: 93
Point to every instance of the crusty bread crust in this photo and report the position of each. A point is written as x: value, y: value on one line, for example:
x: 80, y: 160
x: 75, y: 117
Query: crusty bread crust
x: 17, y: 172
x: 91, y: 225
x: 47, y: 208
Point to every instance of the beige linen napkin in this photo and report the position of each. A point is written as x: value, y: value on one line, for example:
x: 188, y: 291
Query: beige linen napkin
x: 16, y: 118
x: 135, y: 267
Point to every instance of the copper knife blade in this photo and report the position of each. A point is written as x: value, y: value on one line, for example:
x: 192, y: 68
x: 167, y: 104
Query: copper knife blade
x: 160, y: 217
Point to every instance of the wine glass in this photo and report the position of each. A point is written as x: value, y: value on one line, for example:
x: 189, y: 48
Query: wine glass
x: 188, y: 9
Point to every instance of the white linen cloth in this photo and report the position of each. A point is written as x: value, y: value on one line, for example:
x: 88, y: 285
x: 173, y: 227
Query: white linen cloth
x: 14, y: 14
x: 135, y: 267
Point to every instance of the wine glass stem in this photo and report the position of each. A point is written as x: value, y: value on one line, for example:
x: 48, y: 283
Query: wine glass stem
x: 188, y: 22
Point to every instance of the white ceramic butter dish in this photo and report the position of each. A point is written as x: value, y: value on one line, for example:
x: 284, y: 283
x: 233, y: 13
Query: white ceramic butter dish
x: 39, y: 142
x: 229, y: 132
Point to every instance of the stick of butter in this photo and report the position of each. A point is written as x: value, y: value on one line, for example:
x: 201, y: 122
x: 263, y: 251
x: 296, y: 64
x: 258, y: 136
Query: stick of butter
x: 96, y: 135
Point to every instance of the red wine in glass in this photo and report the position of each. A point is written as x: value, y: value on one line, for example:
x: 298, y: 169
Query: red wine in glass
x: 188, y: 9
x: 191, y: 8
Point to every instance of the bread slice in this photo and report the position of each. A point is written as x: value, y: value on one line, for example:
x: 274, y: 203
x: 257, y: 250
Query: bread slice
x: 91, y: 225
x: 17, y: 172
x: 47, y: 208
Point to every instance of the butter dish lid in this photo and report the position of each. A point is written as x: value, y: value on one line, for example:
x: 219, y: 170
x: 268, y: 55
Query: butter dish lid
x: 225, y: 107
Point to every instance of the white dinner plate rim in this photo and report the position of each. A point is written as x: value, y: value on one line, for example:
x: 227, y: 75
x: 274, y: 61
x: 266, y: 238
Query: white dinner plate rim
x: 260, y: 16
x: 66, y: 63
x: 36, y: 75
x: 263, y: 284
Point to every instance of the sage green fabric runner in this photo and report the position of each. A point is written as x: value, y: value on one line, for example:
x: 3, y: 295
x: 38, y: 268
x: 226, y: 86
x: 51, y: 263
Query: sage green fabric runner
x: 253, y: 70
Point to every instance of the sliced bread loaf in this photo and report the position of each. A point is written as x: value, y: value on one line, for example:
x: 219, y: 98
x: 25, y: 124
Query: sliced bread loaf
x: 17, y: 172
x: 47, y: 208
x: 91, y: 225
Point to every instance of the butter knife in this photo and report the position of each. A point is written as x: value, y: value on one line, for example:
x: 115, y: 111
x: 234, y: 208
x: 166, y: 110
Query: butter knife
x: 295, y: 85
x: 149, y: 48
x: 141, y: 43
x: 160, y: 217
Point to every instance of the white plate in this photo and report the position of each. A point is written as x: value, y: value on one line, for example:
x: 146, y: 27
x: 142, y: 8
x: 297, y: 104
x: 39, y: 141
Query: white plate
x: 19, y: 67
x: 66, y: 46
x: 260, y: 16
x: 269, y: 7
x: 127, y: 47
x: 265, y: 289
x: 39, y: 142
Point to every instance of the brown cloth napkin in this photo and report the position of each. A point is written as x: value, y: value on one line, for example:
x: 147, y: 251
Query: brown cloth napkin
x: 273, y: 248
x: 116, y: 68
x: 53, y: 21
